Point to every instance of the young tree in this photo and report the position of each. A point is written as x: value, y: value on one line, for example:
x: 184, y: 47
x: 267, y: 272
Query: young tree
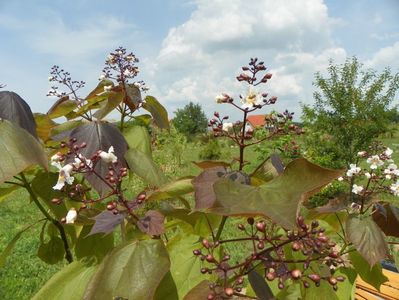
x: 190, y: 120
x: 351, y: 110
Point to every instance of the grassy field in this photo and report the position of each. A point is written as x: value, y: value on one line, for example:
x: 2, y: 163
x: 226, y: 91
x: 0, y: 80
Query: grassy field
x: 24, y: 273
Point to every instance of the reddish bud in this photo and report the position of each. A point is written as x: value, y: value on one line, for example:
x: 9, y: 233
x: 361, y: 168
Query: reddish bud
x: 261, y: 245
x: 210, y: 258
x: 229, y: 291
x: 197, y: 252
x: 314, y: 277
x: 340, y: 278
x: 56, y: 201
x: 270, y: 276
x: 251, y: 221
x: 332, y: 281
x: 296, y: 274
x: 83, y: 145
x: 296, y: 246
x: 241, y: 226
x: 204, y: 270
x: 205, y: 243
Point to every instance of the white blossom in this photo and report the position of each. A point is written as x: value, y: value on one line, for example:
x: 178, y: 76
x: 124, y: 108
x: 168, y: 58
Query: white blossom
x: 361, y: 153
x: 374, y: 162
x: 80, y: 159
x: 388, y: 152
x: 392, y: 169
x: 220, y: 98
x: 56, y: 159
x: 102, y: 76
x: 71, y: 216
x: 108, y: 157
x: 388, y: 177
x: 353, y: 169
x: 253, y: 98
x: 127, y: 72
x: 395, y: 188
x: 227, y: 126
x: 137, y: 85
x: 341, y: 178
x: 357, y: 189
x: 64, y: 177
x: 368, y: 175
x: 50, y: 78
x: 111, y: 58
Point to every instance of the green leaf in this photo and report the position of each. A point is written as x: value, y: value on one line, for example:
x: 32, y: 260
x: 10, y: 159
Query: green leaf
x: 68, y: 284
x: 99, y: 88
x: 52, y: 251
x: 19, y: 150
x: 7, y: 250
x: 184, y: 265
x: 143, y: 120
x: 132, y: 271
x: 143, y: 166
x: 174, y: 189
x: 61, y: 107
x: 157, y: 111
x: 95, y: 245
x: 137, y: 137
x: 113, y: 100
x: 346, y: 289
x: 277, y: 199
x: 43, y: 126
x: 372, y: 275
x: 167, y: 289
x: 367, y: 237
x: 325, y: 291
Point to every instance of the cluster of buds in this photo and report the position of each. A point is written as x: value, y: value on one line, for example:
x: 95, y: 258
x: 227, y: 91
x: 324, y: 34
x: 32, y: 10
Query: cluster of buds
x: 381, y: 174
x: 121, y: 66
x: 270, y: 251
x: 62, y: 77
x: 253, y: 68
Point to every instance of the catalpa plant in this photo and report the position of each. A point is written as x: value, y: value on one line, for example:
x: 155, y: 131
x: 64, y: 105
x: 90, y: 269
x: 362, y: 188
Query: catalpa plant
x: 236, y: 230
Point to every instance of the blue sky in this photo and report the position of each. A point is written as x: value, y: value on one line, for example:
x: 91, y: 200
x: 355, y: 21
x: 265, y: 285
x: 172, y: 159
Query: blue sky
x: 192, y: 50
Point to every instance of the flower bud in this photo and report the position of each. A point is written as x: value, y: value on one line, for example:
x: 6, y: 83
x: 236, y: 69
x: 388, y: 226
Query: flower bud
x: 229, y: 291
x: 296, y: 274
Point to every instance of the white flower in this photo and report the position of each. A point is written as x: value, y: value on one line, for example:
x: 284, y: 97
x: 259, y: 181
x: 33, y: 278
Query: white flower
x: 357, y: 189
x: 395, y: 188
x: 388, y: 177
x: 375, y: 162
x: 253, y: 98
x: 340, y: 178
x: 80, y: 159
x: 129, y: 57
x: 107, y: 88
x: 50, y: 78
x: 137, y: 85
x: 227, y: 126
x: 55, y: 160
x: 71, y: 216
x: 102, y: 76
x: 388, y: 152
x: 391, y: 169
x: 361, y: 153
x: 127, y: 72
x: 353, y: 169
x: 64, y: 177
x: 368, y: 175
x: 111, y: 58
x: 220, y: 98
x: 108, y: 157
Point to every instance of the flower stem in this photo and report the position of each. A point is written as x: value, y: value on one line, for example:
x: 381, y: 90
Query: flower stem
x: 68, y: 253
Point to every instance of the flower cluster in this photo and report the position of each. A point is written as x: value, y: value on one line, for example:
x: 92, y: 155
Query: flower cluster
x: 271, y: 252
x: 62, y: 77
x: 380, y: 175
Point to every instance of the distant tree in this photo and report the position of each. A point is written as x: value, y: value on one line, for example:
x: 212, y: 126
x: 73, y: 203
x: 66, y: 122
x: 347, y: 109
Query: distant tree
x: 190, y: 120
x: 351, y: 110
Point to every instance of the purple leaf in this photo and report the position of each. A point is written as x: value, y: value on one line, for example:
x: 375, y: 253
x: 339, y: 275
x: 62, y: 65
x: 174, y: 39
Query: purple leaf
x: 106, y: 222
x: 203, y: 187
x: 152, y: 223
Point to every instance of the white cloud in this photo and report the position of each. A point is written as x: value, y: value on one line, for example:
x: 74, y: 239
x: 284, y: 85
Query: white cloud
x: 201, y: 57
x: 385, y: 57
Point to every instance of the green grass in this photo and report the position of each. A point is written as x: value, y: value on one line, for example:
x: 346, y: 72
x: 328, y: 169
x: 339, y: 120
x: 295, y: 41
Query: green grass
x: 24, y: 273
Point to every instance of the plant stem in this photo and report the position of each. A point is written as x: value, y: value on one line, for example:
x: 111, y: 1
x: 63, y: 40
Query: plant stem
x: 220, y: 229
x: 68, y: 253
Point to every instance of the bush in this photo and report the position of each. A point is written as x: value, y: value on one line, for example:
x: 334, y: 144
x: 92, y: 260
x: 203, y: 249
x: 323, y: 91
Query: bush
x: 211, y: 151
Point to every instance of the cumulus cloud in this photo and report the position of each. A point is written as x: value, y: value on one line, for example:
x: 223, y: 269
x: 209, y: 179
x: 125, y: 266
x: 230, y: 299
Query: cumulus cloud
x: 201, y: 57
x: 385, y: 57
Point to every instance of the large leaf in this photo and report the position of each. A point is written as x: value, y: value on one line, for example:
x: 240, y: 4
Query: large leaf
x: 44, y: 126
x: 133, y: 98
x: 203, y: 186
x: 16, y: 110
x: 106, y: 222
x: 367, y: 237
x: 157, y: 111
x: 174, y: 189
x: 143, y: 166
x: 19, y: 150
x: 113, y: 100
x: 208, y: 164
x: 51, y: 252
x: 152, y: 223
x: 132, y: 271
x: 137, y: 137
x: 7, y: 191
x: 388, y: 219
x: 346, y: 289
x: 184, y: 265
x: 99, y: 88
x: 100, y: 136
x: 61, y: 107
x: 200, y: 291
x: 324, y: 291
x: 278, y: 199
x: 372, y: 275
x: 68, y: 284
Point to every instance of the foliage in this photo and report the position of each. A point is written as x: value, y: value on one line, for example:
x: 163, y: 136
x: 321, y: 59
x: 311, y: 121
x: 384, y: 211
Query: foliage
x: 211, y: 151
x: 351, y: 110
x: 190, y: 120
x: 158, y: 242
